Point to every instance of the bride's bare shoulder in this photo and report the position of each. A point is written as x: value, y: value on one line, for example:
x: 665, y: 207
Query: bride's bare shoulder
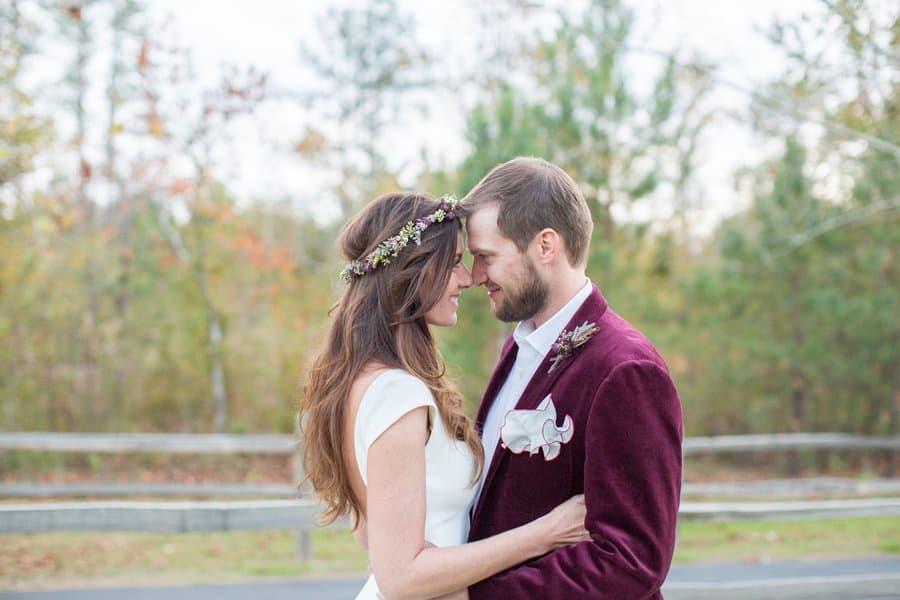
x: 364, y: 379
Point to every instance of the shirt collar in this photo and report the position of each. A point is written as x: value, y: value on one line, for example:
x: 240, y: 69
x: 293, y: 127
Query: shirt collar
x: 542, y: 338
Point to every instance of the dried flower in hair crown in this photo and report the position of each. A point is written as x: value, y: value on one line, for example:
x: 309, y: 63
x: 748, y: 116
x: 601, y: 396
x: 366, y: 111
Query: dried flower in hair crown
x: 393, y: 246
x: 568, y: 341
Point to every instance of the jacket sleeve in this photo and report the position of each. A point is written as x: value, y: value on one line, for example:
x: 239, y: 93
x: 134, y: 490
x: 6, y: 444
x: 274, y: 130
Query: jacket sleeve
x: 632, y: 486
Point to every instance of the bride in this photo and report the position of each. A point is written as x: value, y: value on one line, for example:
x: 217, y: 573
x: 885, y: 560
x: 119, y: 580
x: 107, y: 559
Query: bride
x: 384, y: 436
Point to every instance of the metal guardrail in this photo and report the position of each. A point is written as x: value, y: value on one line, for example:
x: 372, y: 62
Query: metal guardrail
x: 299, y: 514
x: 793, y: 488
x: 158, y: 490
x: 788, y: 511
x: 167, y: 516
x: 164, y: 443
x: 787, y: 441
x: 184, y: 517
x: 187, y: 443
x: 813, y: 487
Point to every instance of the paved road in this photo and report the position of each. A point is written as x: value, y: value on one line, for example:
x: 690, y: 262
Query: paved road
x: 857, y: 579
x: 845, y: 579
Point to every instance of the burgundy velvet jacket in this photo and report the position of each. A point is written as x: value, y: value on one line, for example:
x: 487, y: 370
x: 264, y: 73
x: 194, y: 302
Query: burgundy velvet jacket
x: 624, y: 456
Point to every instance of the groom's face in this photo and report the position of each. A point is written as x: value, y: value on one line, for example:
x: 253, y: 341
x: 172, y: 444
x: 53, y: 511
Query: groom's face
x: 513, y: 284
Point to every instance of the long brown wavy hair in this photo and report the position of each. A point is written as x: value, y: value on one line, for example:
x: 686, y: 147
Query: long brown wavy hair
x: 380, y: 318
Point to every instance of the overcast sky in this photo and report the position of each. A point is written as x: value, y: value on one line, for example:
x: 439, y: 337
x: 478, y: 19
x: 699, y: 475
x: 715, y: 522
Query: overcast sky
x: 267, y: 34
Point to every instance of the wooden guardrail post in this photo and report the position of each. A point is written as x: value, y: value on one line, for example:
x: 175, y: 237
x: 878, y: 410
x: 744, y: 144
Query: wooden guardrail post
x: 303, y: 540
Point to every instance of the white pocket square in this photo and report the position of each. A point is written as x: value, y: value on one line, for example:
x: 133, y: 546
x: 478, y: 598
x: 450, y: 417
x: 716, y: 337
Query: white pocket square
x: 534, y: 430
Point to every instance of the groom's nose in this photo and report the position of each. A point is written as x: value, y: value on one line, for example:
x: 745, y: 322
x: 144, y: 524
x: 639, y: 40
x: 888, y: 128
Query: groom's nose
x: 479, y: 273
x: 465, y: 280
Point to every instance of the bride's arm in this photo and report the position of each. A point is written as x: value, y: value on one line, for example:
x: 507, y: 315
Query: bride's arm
x: 360, y: 533
x: 395, y: 499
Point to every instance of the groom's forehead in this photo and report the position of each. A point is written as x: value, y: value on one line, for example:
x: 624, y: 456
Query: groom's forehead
x: 482, y: 221
x: 480, y: 231
x: 487, y: 239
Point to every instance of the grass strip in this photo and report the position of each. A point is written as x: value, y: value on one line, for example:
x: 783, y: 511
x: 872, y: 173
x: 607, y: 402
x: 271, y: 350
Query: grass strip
x: 99, y: 559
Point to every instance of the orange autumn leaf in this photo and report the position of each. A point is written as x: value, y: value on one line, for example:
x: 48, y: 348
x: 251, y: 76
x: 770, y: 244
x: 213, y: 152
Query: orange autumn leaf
x: 155, y: 127
x: 281, y: 260
x: 181, y: 186
x: 312, y: 143
x: 254, y: 248
x: 144, y: 54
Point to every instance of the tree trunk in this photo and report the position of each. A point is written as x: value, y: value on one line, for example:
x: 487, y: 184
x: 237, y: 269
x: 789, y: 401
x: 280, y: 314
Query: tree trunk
x: 214, y: 326
x: 88, y: 336
x: 798, y: 378
x: 891, y: 463
x: 218, y: 371
x: 122, y: 206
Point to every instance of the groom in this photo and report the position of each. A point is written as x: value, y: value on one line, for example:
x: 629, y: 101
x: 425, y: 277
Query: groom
x: 580, y: 401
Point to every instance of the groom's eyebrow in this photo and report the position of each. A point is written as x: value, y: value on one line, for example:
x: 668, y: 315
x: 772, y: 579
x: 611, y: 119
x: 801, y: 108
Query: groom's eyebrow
x: 475, y: 249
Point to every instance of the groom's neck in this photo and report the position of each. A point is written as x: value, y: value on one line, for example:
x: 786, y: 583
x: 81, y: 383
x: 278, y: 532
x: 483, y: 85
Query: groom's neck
x: 564, y: 284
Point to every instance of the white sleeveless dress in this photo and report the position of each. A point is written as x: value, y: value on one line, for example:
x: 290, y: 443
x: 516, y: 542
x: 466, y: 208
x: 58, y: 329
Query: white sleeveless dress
x: 448, y: 462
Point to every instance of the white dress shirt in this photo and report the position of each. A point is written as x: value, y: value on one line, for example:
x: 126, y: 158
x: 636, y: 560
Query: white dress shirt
x: 534, y: 345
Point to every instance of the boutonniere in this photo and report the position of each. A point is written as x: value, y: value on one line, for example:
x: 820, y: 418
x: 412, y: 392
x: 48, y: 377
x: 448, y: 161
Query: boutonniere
x: 533, y: 431
x: 569, y: 341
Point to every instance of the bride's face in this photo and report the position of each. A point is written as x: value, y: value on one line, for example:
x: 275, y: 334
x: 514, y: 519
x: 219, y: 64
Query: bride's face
x: 444, y: 312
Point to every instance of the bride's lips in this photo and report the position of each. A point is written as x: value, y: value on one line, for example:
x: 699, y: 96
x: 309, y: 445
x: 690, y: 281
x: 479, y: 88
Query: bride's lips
x: 454, y: 300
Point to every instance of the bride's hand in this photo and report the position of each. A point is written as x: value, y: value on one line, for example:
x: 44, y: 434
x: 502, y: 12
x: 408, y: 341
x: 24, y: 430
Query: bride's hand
x: 564, y: 524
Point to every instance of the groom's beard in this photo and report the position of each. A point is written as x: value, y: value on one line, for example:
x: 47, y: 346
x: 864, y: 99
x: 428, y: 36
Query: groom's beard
x: 526, y: 300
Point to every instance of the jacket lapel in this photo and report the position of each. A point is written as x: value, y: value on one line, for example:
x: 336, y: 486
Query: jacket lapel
x: 507, y: 360
x: 543, y: 380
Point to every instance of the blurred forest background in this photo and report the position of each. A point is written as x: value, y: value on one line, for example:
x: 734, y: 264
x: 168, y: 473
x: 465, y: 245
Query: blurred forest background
x: 138, y: 294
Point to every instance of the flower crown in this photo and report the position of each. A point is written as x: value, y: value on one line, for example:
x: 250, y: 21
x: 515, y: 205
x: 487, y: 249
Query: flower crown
x: 393, y: 246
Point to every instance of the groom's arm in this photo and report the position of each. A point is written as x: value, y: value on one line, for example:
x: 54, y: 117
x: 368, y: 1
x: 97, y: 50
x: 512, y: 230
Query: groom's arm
x: 632, y: 485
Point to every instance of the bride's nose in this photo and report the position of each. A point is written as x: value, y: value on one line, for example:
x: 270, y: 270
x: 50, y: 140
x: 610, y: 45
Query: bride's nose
x: 464, y: 277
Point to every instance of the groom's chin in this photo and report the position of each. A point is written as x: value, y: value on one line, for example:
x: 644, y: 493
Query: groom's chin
x: 501, y: 313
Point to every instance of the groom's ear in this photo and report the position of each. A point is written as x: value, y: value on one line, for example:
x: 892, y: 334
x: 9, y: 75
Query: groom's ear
x: 548, y: 245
